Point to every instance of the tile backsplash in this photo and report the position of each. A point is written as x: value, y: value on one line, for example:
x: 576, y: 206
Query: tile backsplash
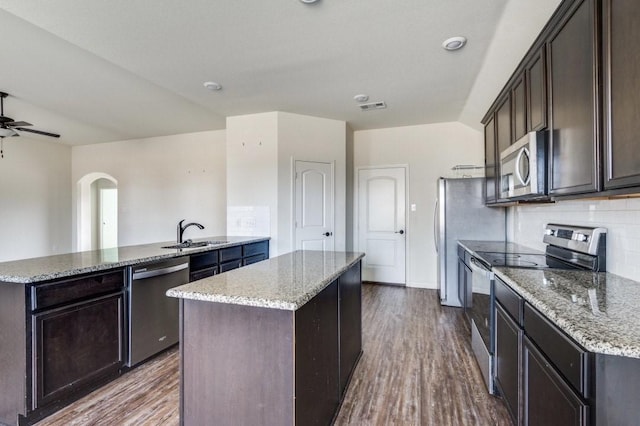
x: 621, y: 217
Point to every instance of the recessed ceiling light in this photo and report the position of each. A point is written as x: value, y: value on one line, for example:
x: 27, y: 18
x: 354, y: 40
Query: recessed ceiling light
x: 308, y: 1
x: 212, y: 85
x: 454, y: 43
x: 361, y: 98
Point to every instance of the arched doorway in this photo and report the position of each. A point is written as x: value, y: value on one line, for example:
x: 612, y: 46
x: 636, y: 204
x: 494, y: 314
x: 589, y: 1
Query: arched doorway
x: 97, y: 212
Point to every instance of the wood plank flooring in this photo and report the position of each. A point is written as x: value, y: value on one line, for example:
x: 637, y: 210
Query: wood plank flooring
x: 417, y: 369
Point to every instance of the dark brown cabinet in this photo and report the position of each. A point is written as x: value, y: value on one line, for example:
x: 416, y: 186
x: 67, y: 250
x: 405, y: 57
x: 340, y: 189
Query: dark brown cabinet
x: 350, y: 311
x: 508, y: 338
x: 547, y: 399
x: 207, y: 264
x: 76, y: 346
x: 519, y: 113
x: 503, y: 127
x: 621, y: 75
x: 536, y: 85
x: 573, y: 92
x: 490, y: 163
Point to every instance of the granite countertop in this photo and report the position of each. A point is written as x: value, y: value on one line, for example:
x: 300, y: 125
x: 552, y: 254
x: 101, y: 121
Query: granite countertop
x: 285, y: 282
x: 598, y: 310
x: 497, y: 247
x: 65, y: 265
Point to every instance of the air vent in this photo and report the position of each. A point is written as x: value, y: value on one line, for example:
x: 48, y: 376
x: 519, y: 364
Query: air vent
x: 372, y: 106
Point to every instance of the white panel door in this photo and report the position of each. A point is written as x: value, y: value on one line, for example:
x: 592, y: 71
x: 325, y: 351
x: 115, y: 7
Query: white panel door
x: 314, y: 206
x: 381, y: 224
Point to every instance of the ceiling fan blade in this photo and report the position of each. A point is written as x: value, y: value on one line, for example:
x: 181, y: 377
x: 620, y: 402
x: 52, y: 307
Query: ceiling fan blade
x: 39, y: 132
x: 18, y: 123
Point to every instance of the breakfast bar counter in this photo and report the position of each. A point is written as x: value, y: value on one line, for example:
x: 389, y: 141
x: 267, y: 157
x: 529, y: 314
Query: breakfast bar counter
x: 272, y: 343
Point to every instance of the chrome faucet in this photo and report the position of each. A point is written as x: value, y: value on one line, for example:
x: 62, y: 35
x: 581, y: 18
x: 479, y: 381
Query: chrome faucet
x: 180, y: 230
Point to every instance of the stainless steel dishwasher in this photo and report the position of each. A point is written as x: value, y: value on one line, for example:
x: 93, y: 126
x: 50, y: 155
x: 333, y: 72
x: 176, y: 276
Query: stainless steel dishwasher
x: 153, y: 317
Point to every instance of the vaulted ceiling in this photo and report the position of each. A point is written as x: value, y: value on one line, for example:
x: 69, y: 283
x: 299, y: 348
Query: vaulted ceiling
x: 97, y: 71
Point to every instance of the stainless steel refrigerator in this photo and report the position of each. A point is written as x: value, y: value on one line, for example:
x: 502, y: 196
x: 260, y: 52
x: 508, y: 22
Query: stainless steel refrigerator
x: 460, y: 214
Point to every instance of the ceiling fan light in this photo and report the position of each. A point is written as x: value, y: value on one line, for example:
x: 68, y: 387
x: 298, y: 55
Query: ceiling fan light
x: 6, y: 132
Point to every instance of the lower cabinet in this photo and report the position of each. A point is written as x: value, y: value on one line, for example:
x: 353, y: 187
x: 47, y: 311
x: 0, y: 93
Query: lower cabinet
x: 547, y: 398
x: 350, y: 311
x: 507, y: 361
x: 75, y: 346
x: 542, y: 375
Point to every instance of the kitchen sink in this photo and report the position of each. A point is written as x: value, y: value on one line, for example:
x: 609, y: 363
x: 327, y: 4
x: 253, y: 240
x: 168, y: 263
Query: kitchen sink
x: 192, y: 244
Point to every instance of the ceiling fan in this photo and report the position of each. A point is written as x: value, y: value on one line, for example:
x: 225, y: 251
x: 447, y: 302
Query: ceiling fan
x: 8, y: 127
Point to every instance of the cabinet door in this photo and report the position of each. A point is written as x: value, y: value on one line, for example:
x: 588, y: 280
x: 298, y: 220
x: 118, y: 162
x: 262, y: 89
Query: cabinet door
x: 573, y: 94
x: 317, y: 363
x: 350, y: 311
x: 547, y: 399
x: 622, y: 93
x: 490, y: 161
x: 76, y: 346
x: 507, y: 360
x: 519, y: 114
x: 537, y: 92
x: 503, y: 127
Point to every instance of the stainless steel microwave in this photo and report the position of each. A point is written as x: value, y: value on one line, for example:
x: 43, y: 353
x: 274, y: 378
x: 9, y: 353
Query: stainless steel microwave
x: 523, y: 168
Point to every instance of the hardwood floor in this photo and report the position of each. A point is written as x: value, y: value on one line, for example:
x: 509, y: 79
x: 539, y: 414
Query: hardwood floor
x: 417, y: 369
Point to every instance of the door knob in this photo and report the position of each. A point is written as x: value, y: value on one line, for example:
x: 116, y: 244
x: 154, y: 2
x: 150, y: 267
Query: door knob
x: 328, y: 234
x: 400, y: 232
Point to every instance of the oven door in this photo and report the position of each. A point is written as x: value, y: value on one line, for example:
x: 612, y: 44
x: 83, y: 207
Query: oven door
x: 480, y: 313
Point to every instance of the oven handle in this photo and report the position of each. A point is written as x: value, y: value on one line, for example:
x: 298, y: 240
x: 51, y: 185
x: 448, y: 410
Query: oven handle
x: 477, y: 267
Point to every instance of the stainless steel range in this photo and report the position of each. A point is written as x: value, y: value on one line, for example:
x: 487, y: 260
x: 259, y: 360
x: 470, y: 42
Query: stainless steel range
x: 568, y: 247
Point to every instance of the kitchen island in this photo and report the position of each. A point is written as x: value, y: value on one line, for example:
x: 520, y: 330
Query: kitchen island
x: 66, y: 320
x: 273, y: 343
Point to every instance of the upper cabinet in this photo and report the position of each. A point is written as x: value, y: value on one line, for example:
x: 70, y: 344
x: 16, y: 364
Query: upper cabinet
x: 536, y: 85
x: 519, y: 111
x: 580, y: 83
x: 621, y: 72
x: 573, y: 90
x: 490, y: 161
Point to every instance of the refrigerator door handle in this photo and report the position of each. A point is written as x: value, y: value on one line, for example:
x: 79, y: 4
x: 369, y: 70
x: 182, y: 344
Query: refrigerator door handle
x: 435, y: 226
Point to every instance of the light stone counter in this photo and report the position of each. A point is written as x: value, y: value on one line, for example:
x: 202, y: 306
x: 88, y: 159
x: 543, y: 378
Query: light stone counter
x: 285, y: 282
x: 598, y: 310
x: 66, y: 265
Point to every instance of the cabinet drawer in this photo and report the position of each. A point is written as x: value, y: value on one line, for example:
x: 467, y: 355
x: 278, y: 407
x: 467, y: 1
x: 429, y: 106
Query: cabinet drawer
x: 253, y: 259
x: 571, y: 360
x: 227, y: 266
x: 56, y: 293
x: 509, y: 299
x: 203, y: 260
x: 253, y: 249
x: 203, y: 273
x: 230, y: 253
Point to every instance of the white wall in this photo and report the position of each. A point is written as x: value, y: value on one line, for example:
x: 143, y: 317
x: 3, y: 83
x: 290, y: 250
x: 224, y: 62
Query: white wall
x: 252, y: 166
x: 35, y: 199
x: 621, y: 217
x: 160, y: 181
x: 260, y: 153
x: 306, y: 138
x: 430, y: 151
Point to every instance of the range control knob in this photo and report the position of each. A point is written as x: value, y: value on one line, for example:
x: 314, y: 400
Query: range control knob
x: 579, y: 237
x: 549, y: 232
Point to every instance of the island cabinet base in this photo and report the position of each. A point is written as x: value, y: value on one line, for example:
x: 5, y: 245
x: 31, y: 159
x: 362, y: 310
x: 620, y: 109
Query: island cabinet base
x: 261, y: 366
